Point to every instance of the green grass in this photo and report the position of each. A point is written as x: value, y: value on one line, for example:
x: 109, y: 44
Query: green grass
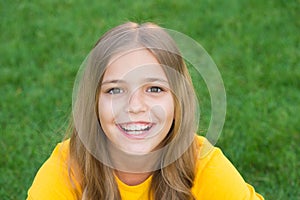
x: 254, y: 43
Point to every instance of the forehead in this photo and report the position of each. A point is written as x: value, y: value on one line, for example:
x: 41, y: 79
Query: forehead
x: 134, y: 64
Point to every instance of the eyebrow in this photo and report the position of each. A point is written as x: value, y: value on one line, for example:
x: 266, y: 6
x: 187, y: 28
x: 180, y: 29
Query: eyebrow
x: 156, y: 80
x: 112, y: 81
x: 146, y: 80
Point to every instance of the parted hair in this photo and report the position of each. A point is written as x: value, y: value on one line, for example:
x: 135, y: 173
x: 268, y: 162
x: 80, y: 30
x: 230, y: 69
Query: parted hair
x: 174, y: 179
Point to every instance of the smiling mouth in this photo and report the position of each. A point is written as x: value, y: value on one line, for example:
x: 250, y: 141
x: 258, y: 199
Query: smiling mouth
x: 135, y: 129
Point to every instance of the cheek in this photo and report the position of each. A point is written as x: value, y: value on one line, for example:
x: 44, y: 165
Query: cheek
x: 105, y: 116
x: 109, y: 109
x: 104, y: 110
x: 170, y: 106
x: 164, y: 110
x: 170, y: 111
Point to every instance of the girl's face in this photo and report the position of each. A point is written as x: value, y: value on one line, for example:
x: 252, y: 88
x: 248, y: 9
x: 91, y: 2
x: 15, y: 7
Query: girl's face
x: 136, y: 107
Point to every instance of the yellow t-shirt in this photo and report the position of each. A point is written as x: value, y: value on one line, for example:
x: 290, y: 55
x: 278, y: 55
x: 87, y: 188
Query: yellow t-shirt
x: 216, y: 178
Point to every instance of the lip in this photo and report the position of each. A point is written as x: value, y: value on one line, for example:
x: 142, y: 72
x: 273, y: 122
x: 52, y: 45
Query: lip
x: 143, y: 129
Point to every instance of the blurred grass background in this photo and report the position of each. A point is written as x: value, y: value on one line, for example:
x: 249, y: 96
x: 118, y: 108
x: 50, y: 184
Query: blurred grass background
x: 254, y: 43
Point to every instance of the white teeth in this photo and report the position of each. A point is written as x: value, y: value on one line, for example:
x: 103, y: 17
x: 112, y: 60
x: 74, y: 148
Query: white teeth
x: 135, y: 128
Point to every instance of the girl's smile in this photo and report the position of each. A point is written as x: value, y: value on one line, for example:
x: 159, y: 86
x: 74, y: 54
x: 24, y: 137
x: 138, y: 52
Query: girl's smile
x: 136, y: 130
x: 136, y: 107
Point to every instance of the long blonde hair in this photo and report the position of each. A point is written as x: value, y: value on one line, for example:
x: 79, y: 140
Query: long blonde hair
x: 174, y: 180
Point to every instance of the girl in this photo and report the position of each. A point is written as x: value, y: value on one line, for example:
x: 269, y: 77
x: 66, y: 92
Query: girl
x: 133, y: 129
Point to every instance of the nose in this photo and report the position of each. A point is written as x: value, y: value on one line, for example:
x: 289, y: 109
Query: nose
x: 136, y: 102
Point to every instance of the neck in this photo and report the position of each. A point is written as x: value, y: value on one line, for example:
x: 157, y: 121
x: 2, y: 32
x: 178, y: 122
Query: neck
x: 132, y: 178
x: 133, y: 164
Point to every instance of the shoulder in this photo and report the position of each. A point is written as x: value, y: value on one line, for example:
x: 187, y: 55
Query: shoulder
x: 217, y: 178
x: 52, y: 180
